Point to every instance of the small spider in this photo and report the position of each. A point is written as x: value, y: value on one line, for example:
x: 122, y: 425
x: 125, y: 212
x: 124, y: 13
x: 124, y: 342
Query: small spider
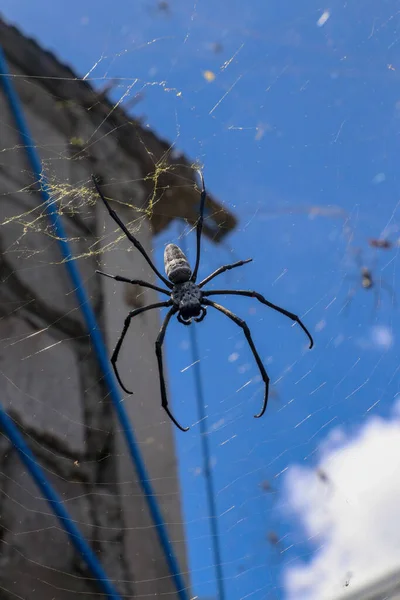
x: 369, y: 282
x: 273, y: 538
x: 187, y: 299
x: 322, y: 475
x: 366, y: 278
x: 266, y: 486
x: 380, y: 243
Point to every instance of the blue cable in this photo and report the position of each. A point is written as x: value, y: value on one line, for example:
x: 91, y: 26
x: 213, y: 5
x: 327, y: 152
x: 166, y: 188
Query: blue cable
x: 207, y: 469
x: 81, y: 545
x: 206, y: 455
x: 98, y: 343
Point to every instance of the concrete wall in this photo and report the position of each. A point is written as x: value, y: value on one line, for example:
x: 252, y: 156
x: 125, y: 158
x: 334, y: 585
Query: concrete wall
x: 50, y: 382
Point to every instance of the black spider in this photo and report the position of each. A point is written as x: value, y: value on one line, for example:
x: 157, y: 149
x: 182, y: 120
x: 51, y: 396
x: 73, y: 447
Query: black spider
x: 186, y: 298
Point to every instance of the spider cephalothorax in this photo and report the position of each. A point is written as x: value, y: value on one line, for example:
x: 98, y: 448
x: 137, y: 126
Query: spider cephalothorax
x: 187, y: 299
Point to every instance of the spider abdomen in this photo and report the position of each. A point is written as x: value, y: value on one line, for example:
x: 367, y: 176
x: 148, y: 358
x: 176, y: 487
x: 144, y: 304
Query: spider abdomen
x: 176, y: 264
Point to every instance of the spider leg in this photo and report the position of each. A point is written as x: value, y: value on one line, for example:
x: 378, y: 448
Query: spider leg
x: 377, y: 294
x: 389, y: 289
x: 197, y: 319
x: 159, y: 343
x: 182, y: 321
x: 201, y: 317
x: 132, y: 313
x: 223, y: 269
x: 349, y: 298
x: 135, y: 282
x: 129, y: 235
x: 377, y: 302
x: 263, y: 300
x: 199, y: 227
x: 247, y: 333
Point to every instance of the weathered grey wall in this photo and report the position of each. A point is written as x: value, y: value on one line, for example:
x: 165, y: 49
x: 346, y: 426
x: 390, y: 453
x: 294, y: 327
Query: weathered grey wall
x: 138, y: 368
x: 49, y: 379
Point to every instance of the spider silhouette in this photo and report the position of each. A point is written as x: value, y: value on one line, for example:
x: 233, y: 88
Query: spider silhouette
x: 187, y: 299
x: 367, y: 280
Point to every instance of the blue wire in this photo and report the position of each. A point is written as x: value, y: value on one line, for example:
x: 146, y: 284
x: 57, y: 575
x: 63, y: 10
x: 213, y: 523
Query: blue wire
x: 93, y: 329
x: 206, y: 455
x: 11, y: 431
x: 207, y: 469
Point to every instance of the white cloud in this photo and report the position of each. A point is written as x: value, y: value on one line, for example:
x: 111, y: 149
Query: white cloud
x: 379, y: 337
x: 382, y: 336
x: 352, y: 517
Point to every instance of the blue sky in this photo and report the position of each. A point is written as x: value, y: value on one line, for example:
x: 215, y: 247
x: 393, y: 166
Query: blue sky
x: 299, y: 114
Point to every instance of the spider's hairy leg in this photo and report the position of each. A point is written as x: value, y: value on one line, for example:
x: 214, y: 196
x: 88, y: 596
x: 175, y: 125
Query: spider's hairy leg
x: 132, y: 313
x: 159, y: 343
x: 247, y: 333
x: 260, y: 298
x: 224, y: 268
x: 135, y: 282
x: 128, y: 234
x: 199, y: 227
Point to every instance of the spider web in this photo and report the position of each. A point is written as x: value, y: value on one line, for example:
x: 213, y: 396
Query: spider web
x: 293, y: 112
